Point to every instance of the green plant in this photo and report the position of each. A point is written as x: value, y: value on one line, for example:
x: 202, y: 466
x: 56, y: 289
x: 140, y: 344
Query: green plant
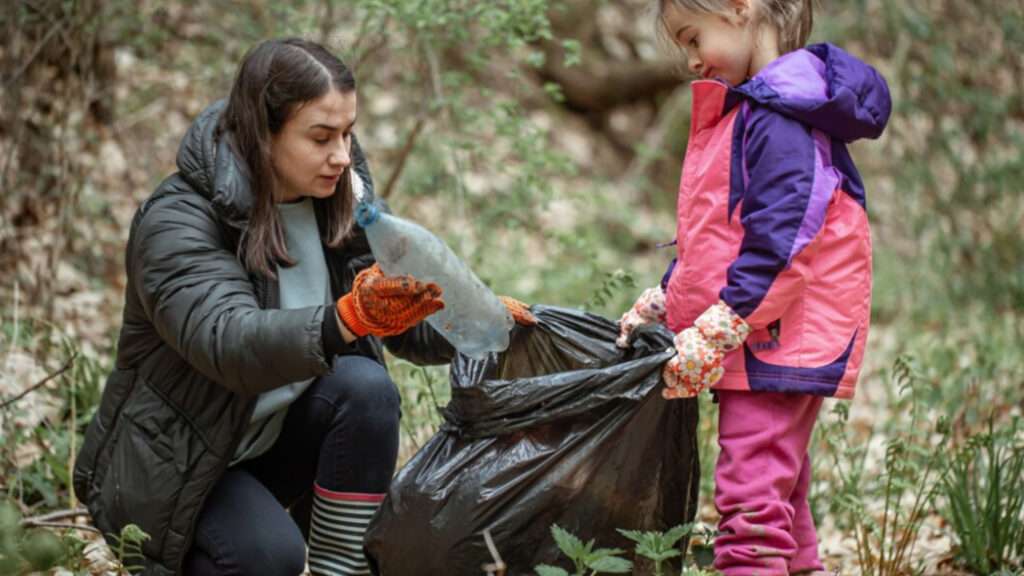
x: 127, y: 547
x: 697, y: 548
x: 702, y: 549
x: 584, y: 557
x: 613, y: 282
x: 658, y: 546
x: 424, y: 391
x: 25, y: 552
x: 43, y: 477
x: 884, y: 511
x: 984, y: 490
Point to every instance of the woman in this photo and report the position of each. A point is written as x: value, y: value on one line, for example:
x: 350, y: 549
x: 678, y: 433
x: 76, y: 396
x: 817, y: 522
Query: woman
x: 250, y: 406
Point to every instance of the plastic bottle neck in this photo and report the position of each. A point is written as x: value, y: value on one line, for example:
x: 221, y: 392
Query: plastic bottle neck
x: 367, y: 213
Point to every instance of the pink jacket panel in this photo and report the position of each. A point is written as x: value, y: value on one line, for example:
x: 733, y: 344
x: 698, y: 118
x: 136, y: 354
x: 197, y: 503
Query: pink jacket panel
x: 811, y: 319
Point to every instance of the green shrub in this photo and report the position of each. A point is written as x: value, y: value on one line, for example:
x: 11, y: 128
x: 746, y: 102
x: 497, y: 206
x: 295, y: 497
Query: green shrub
x: 984, y: 492
x: 585, y: 558
x: 883, y: 510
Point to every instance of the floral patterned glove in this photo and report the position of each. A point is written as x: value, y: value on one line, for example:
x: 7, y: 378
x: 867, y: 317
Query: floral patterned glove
x: 649, y: 308
x: 700, y: 349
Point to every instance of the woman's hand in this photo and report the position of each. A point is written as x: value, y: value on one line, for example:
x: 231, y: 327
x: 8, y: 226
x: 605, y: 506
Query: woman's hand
x: 649, y: 308
x: 700, y: 349
x: 386, y: 306
x: 520, y: 311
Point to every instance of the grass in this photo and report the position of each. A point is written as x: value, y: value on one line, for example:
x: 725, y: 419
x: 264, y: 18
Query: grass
x: 983, y: 488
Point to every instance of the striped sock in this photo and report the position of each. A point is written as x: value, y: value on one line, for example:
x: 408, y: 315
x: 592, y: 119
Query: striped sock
x: 336, y: 531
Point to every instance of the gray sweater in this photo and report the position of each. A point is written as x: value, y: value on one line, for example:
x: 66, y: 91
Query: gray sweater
x: 300, y: 286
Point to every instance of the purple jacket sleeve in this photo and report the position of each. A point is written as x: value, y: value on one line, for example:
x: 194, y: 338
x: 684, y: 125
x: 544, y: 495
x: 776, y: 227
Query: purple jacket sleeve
x: 782, y: 211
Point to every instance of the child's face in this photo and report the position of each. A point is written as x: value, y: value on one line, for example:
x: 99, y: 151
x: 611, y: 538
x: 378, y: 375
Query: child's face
x: 717, y: 45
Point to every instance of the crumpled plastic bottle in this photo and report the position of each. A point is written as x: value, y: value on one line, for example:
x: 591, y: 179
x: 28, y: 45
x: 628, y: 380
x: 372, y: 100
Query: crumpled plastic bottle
x: 473, y: 319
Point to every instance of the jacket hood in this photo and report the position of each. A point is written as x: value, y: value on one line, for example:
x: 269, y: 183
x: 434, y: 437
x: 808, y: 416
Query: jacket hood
x: 826, y: 88
x: 210, y: 165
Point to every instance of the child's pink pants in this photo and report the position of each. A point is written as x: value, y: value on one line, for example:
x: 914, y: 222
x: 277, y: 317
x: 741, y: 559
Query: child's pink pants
x: 761, y: 483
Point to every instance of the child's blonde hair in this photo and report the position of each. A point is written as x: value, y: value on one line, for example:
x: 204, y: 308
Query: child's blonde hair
x: 792, y: 18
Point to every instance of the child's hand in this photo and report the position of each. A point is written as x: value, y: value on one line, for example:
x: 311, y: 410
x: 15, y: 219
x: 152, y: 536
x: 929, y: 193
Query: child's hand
x: 649, y: 308
x: 699, y: 352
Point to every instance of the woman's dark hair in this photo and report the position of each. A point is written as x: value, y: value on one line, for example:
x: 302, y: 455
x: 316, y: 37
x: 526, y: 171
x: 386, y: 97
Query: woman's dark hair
x: 274, y: 79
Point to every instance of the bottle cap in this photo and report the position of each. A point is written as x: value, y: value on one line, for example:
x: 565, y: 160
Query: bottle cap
x: 367, y: 213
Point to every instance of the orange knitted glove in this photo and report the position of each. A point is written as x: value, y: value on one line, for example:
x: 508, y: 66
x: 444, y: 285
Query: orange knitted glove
x: 520, y: 311
x: 386, y: 306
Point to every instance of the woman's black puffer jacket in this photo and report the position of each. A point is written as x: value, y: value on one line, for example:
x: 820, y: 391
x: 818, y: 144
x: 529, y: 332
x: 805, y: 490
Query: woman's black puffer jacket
x: 200, y: 340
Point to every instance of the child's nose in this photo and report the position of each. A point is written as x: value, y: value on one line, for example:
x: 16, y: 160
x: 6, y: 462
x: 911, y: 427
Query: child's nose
x: 694, y: 63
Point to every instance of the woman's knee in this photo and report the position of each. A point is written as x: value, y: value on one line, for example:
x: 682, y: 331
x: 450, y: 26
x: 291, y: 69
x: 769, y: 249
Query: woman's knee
x: 268, y: 552
x: 362, y: 388
x: 243, y: 529
x: 361, y: 445
x: 280, y: 556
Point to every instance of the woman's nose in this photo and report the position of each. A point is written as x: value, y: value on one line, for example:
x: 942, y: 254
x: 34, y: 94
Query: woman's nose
x: 340, y: 156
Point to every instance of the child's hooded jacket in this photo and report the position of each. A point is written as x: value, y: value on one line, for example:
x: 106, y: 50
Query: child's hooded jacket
x: 772, y: 219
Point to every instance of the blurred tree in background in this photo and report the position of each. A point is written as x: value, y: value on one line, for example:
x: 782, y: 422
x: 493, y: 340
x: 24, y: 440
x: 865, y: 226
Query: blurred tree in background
x: 541, y: 138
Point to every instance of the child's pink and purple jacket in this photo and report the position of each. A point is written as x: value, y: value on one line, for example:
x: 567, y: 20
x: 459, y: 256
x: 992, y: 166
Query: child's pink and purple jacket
x: 772, y: 219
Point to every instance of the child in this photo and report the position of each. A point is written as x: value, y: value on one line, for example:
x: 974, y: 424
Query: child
x: 770, y: 293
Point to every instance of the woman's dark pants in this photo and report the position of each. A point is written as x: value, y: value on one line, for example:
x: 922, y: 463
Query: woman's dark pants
x: 341, y: 433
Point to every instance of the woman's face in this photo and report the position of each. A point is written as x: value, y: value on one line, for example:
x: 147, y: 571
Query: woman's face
x: 311, y: 151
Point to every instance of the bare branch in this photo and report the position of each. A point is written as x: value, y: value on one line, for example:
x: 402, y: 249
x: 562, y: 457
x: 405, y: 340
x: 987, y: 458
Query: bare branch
x: 410, y: 142
x: 58, y: 515
x: 599, y: 83
x: 64, y: 525
x: 367, y: 30
x: 50, y: 520
x: 35, y: 53
x: 597, y: 90
x: 498, y: 567
x: 37, y: 385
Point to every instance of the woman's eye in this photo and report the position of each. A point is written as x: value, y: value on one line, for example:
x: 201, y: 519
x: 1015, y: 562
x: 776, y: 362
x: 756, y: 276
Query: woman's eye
x: 694, y: 43
x: 321, y: 140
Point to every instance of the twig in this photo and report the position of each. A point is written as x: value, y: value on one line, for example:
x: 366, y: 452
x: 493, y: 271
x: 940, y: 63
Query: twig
x: 57, y: 515
x: 50, y: 520
x: 430, y: 388
x: 35, y: 52
x: 37, y: 385
x: 455, y: 168
x: 14, y: 337
x: 497, y: 568
x: 67, y: 525
x: 326, y: 20
x: 410, y: 142
x: 410, y: 433
x: 362, y: 56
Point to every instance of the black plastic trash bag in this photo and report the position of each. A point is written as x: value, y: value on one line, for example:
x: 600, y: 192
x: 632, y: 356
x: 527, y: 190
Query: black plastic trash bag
x: 562, y: 428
